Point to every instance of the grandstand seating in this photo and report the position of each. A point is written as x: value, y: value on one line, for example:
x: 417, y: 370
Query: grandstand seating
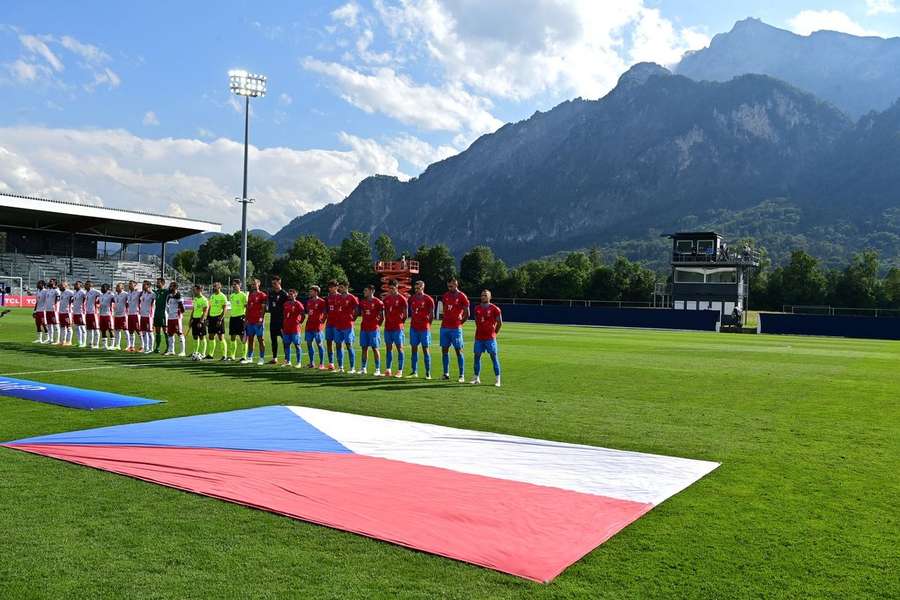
x: 33, y: 267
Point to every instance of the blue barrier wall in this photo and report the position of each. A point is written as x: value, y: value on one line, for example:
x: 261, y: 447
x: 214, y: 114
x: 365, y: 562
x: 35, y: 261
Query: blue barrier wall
x: 655, y: 318
x: 878, y: 328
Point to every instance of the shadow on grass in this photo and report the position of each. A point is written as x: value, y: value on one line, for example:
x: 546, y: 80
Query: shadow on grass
x: 216, y: 368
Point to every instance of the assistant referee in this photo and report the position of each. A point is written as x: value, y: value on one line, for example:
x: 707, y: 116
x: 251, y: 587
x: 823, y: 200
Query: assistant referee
x: 218, y: 301
x: 238, y: 300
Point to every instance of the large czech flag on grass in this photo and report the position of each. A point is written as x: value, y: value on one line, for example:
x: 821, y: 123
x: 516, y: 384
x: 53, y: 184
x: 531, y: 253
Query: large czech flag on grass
x: 522, y: 506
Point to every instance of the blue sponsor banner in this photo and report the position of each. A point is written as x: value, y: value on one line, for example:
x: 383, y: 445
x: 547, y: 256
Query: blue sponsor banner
x: 67, y: 396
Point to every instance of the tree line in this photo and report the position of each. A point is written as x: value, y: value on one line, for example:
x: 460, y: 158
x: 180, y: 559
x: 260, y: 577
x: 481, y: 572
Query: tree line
x: 579, y: 275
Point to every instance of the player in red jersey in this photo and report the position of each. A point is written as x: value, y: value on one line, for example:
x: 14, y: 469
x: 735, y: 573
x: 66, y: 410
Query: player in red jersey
x: 120, y: 316
x: 315, y: 323
x: 346, y: 309
x: 255, y: 323
x: 330, y: 300
x: 51, y: 311
x: 292, y: 317
x: 372, y: 310
x: 132, y: 319
x: 456, y: 312
x: 488, y: 321
x: 396, y: 309
x: 421, y: 311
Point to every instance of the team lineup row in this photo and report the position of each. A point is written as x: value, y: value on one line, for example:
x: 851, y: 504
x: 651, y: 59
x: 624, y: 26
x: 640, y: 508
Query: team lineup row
x: 143, y: 314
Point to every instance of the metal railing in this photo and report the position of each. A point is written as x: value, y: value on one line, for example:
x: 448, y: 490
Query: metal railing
x: 573, y: 303
x: 739, y: 257
x: 832, y: 311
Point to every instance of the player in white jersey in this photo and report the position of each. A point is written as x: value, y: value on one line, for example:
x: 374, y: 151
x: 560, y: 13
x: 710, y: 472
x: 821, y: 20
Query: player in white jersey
x: 65, y: 312
x: 39, y: 324
x: 91, y: 301
x: 134, y: 321
x: 78, y: 314
x: 120, y: 321
x: 105, y: 315
x: 174, y: 314
x: 146, y: 307
x: 51, y: 307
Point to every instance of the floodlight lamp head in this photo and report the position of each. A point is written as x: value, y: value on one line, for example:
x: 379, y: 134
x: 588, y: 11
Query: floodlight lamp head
x: 243, y: 83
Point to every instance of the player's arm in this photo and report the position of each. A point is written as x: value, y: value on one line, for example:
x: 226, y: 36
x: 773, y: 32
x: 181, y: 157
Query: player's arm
x: 430, y: 310
x: 302, y: 314
x: 464, y: 311
x: 499, y: 322
x: 205, y: 312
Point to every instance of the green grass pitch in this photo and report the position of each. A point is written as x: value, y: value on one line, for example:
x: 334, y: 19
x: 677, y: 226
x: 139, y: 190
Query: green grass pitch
x: 805, y: 503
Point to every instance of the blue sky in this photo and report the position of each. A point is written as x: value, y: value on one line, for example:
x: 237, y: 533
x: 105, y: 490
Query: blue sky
x: 127, y: 104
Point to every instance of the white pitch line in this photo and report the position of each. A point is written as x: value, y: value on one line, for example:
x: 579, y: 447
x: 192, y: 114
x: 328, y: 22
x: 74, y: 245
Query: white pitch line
x: 79, y: 369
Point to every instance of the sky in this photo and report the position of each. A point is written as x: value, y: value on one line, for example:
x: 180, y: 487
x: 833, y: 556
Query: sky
x: 127, y: 105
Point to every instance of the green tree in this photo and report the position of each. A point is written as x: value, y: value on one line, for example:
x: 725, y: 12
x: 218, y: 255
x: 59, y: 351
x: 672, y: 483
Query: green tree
x: 218, y: 247
x: 260, y: 252
x: 515, y: 285
x: 602, y: 285
x: 384, y: 248
x: 436, y: 265
x: 298, y: 274
x: 311, y: 249
x: 635, y: 282
x: 185, y: 262
x: 476, y: 268
x: 801, y: 281
x: 858, y: 285
x: 330, y: 272
x: 355, y: 257
x: 892, y: 288
x: 561, y: 281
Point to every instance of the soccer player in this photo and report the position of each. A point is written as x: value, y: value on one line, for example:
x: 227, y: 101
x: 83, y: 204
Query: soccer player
x: 65, y: 312
x: 40, y: 322
x: 217, y: 304
x: 346, y: 309
x: 91, y: 301
x: 488, y: 321
x: 255, y: 323
x: 198, y: 323
x: 330, y: 301
x: 51, y: 306
x: 315, y: 321
x: 238, y: 300
x: 292, y: 317
x: 421, y: 312
x: 276, y: 300
x: 456, y: 311
x: 174, y: 313
x: 147, y: 309
x: 160, y: 324
x: 395, y: 311
x: 120, y: 318
x: 133, y: 319
x: 78, y: 314
x: 372, y: 311
x: 105, y: 314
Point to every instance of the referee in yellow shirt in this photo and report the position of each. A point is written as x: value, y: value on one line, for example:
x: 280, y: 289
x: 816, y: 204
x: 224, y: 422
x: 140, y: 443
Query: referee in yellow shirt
x: 238, y: 300
x: 218, y: 301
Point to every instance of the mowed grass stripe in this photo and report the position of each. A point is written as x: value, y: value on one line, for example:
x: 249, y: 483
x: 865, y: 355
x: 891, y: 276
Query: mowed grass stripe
x: 803, y: 505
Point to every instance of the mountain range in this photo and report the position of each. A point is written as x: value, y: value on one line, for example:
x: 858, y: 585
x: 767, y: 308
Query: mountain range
x: 757, y: 154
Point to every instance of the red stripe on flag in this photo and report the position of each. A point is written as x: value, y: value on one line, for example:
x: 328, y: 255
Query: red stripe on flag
x: 519, y: 528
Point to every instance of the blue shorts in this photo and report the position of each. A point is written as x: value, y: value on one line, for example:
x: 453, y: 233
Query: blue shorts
x: 489, y: 346
x: 313, y: 336
x: 343, y: 336
x: 369, y: 339
x: 291, y: 338
x: 329, y: 333
x: 419, y: 337
x: 254, y: 330
x: 393, y: 337
x: 451, y: 337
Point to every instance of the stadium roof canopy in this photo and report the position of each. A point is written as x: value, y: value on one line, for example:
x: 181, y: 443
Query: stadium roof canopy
x: 111, y: 224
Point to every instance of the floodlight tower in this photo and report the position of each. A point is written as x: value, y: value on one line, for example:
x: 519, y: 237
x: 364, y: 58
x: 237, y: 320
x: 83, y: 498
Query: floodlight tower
x: 248, y: 85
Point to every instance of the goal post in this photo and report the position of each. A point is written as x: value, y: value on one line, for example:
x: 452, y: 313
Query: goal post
x: 12, y: 292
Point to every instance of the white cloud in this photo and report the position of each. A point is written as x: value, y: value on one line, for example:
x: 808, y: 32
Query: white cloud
x: 807, y: 21
x: 560, y: 46
x: 27, y: 71
x: 36, y: 46
x: 121, y: 170
x: 880, y: 7
x: 417, y: 152
x: 447, y: 108
x: 346, y: 14
x: 285, y: 99
x: 150, y: 118
x: 88, y: 52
